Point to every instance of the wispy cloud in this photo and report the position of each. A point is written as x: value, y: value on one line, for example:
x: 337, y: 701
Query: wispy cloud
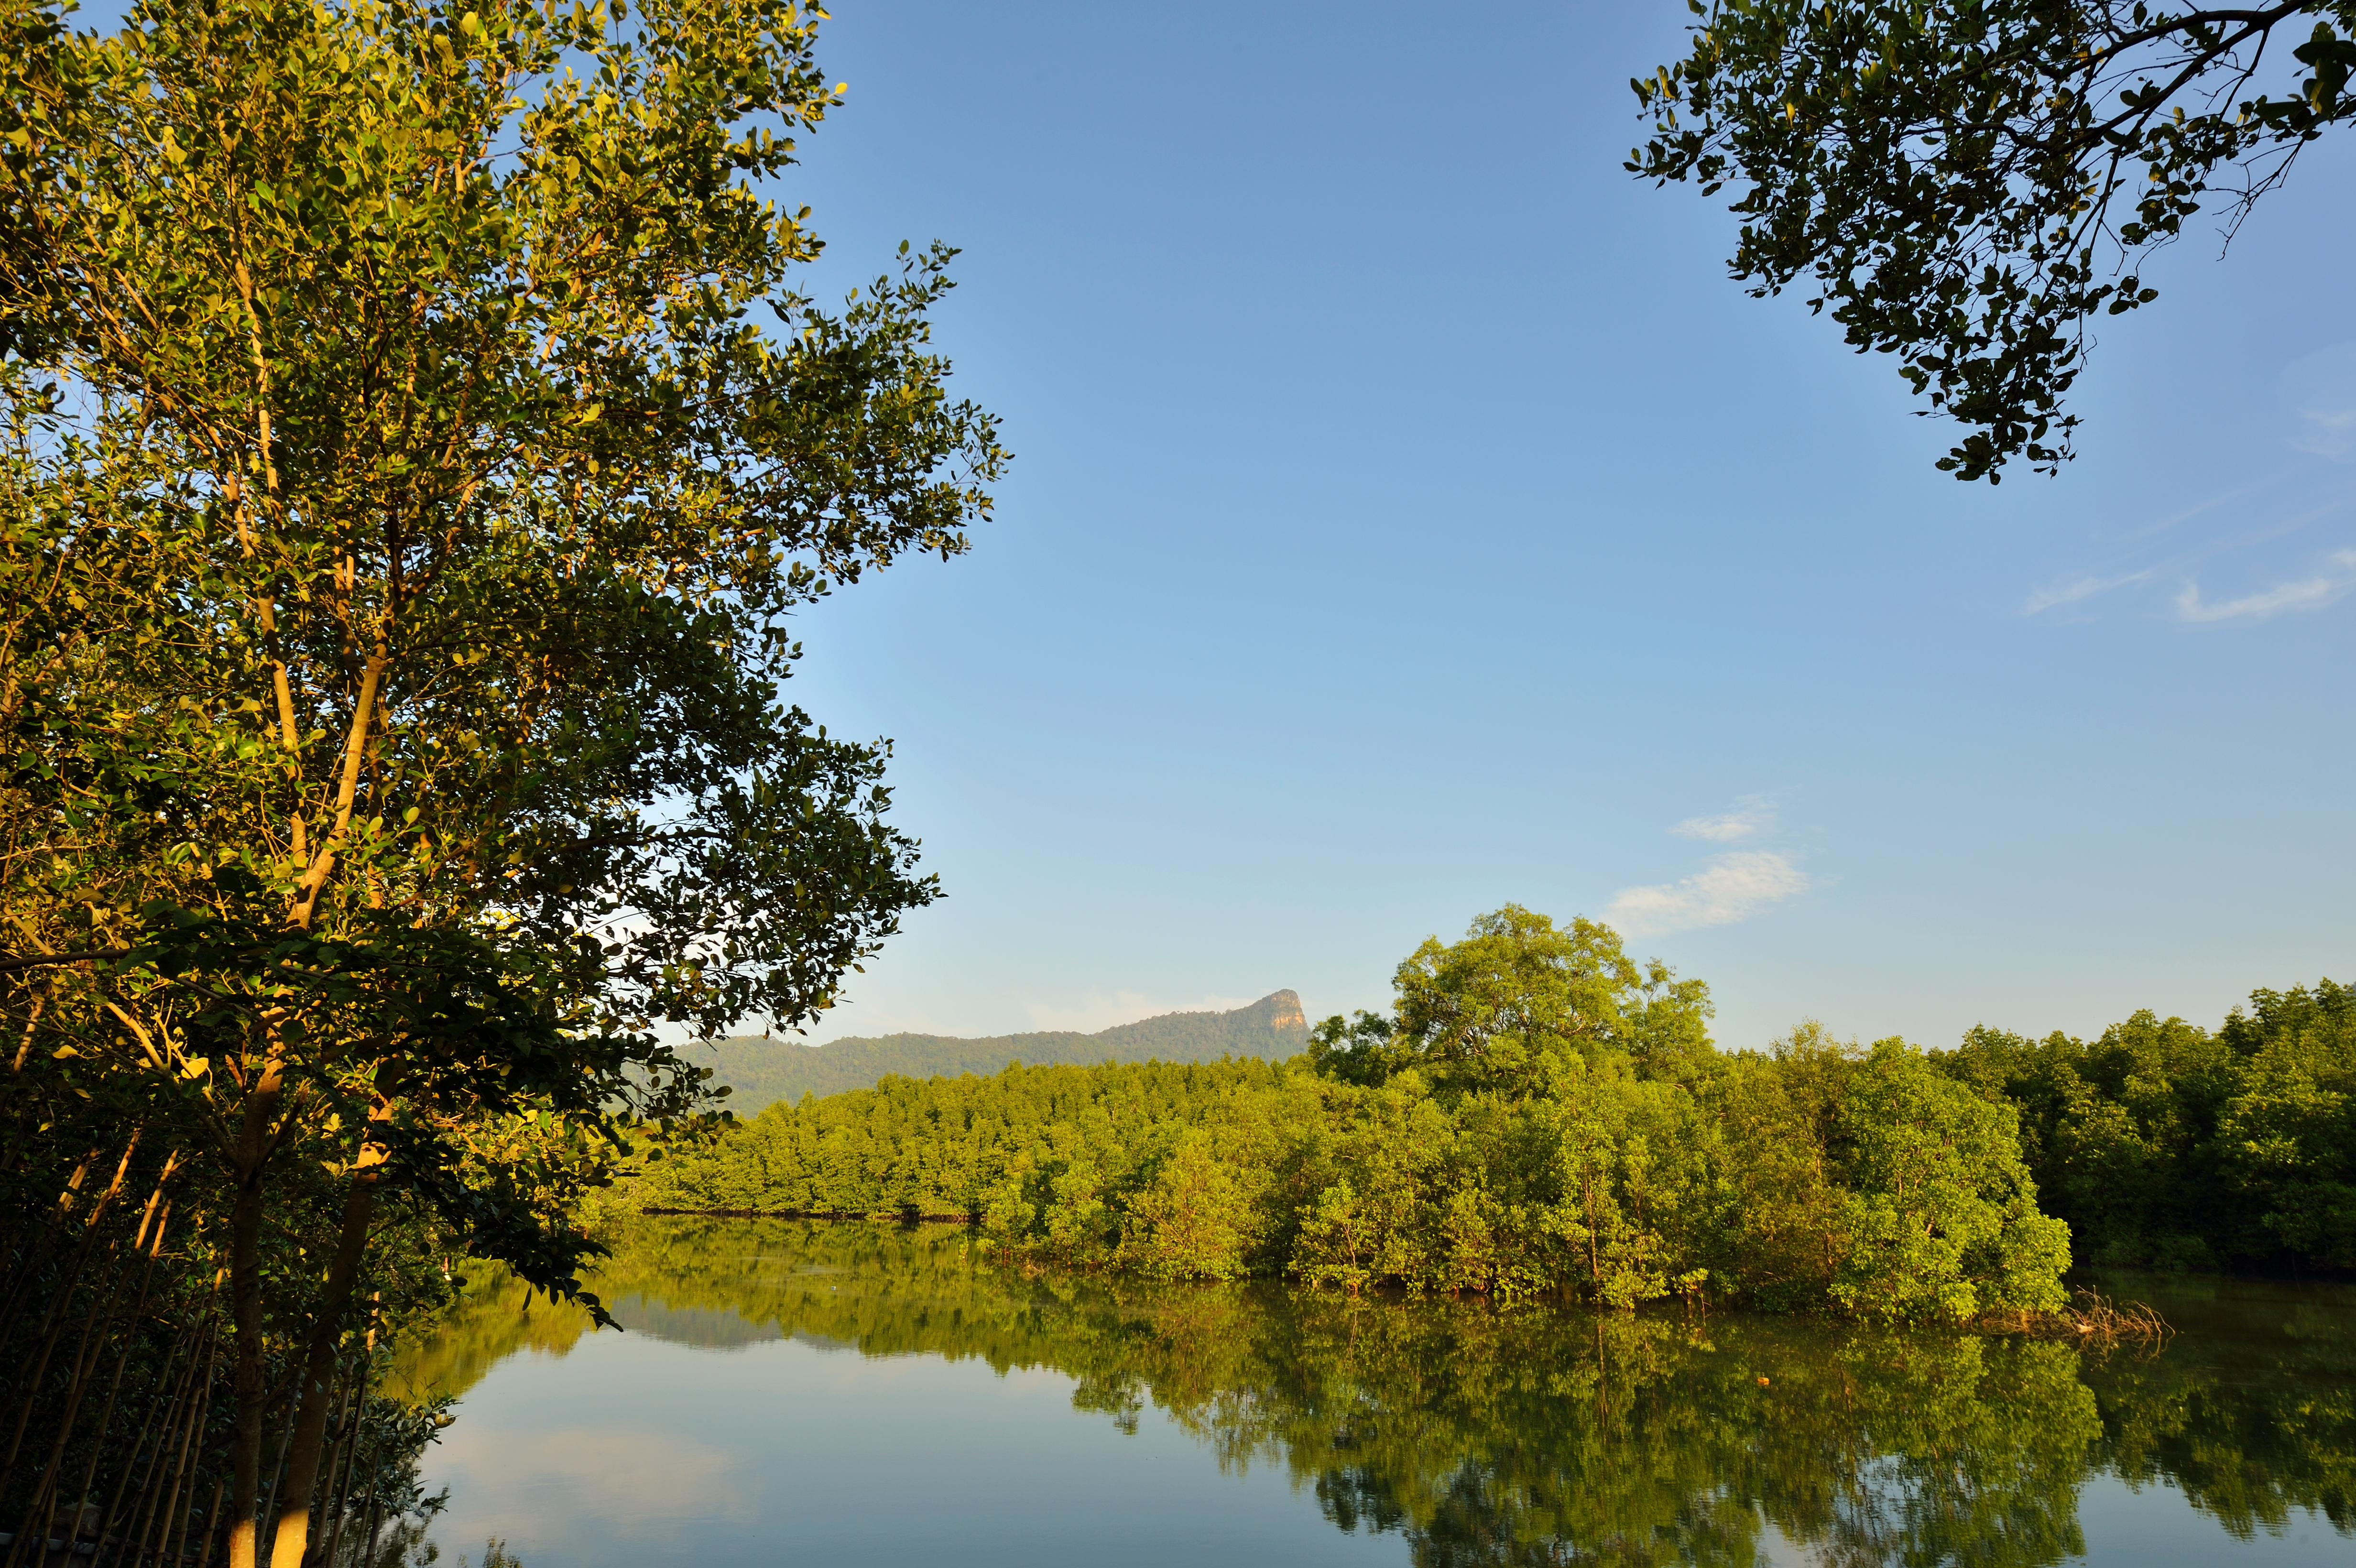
x: 1729, y: 888
x: 1751, y: 816
x: 2325, y: 587
x: 2078, y: 590
x: 2322, y: 391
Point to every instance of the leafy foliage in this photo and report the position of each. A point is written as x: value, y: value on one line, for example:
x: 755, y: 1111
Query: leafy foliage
x: 1966, y: 182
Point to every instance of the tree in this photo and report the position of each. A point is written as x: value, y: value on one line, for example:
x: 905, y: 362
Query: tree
x: 1488, y: 1012
x: 1967, y: 183
x: 408, y: 508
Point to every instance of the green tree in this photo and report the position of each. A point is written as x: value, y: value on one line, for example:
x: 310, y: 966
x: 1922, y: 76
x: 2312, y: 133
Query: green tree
x: 421, y: 451
x: 1967, y: 185
x: 1941, y: 1220
x: 1491, y: 1010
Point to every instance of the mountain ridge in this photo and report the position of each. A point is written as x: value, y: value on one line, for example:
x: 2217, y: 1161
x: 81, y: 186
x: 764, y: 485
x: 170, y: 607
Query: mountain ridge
x: 763, y: 1072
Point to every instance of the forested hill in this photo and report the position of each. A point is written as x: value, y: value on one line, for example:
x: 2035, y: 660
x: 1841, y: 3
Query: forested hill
x: 764, y: 1071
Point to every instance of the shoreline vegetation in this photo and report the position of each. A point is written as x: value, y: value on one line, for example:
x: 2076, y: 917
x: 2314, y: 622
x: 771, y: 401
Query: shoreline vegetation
x: 1539, y: 1116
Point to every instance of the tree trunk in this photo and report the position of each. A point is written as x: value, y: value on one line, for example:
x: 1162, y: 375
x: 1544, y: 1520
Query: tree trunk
x: 318, y: 1372
x: 250, y: 1382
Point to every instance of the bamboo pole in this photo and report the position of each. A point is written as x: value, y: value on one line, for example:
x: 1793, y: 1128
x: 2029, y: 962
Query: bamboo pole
x: 144, y: 1498
x: 278, y: 1474
x: 198, y: 1409
x: 39, y: 1511
x: 367, y: 1509
x: 175, y: 1532
x: 53, y: 1321
x: 30, y: 1272
x: 352, y: 1440
x: 131, y: 1458
x: 339, y: 1466
x: 212, y: 1518
x: 86, y: 1359
x: 123, y: 1355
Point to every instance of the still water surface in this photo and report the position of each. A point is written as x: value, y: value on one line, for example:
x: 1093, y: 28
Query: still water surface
x: 790, y: 1393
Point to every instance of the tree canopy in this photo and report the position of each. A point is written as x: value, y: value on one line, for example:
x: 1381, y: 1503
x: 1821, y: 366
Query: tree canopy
x: 1968, y: 184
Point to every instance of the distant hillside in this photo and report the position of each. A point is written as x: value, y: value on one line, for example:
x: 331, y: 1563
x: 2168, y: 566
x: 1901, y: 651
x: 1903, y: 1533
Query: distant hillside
x: 763, y: 1071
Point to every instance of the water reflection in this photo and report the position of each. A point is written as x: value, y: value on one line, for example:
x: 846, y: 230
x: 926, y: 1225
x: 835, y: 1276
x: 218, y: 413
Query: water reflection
x: 1477, y: 1435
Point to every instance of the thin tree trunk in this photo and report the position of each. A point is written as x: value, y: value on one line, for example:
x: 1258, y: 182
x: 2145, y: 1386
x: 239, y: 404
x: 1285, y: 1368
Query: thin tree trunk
x: 123, y: 1359
x: 175, y: 1527
x: 352, y: 1449
x: 340, y: 1493
x: 277, y: 1474
x: 332, y: 1450
x: 144, y: 1500
x: 212, y: 1520
x: 248, y: 1380
x: 84, y: 1364
x: 53, y: 1322
x: 326, y: 1335
x: 155, y: 1408
x: 40, y: 1511
x: 367, y: 1509
x: 201, y: 1407
x: 29, y: 1275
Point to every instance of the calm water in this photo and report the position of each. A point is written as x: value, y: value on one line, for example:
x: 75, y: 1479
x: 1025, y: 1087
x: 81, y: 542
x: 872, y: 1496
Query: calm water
x: 843, y: 1395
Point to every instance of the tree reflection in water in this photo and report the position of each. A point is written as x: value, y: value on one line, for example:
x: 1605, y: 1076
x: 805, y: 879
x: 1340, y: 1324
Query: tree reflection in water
x: 1534, y: 1435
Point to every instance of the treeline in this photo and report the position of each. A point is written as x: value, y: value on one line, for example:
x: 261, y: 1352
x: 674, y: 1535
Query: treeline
x: 1538, y: 1116
x: 2167, y: 1144
x: 1490, y: 1434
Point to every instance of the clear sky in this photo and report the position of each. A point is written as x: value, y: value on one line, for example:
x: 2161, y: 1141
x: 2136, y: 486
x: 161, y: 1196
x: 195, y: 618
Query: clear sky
x: 1409, y: 516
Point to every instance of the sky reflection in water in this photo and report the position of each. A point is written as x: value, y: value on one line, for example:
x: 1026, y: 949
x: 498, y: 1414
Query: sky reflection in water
x: 866, y: 1395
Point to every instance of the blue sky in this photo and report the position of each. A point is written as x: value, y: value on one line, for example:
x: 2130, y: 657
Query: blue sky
x: 1409, y: 516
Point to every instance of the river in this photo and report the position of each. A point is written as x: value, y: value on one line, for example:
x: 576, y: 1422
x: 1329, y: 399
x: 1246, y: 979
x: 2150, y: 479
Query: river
x: 855, y: 1394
